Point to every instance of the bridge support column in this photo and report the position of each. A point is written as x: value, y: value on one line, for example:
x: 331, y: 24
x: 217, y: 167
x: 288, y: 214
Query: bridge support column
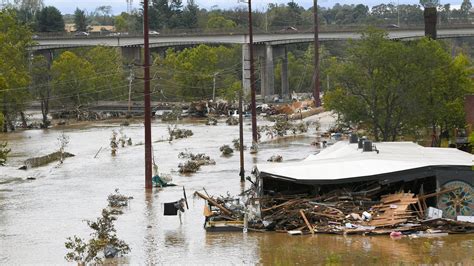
x: 269, y: 81
x: 285, y: 84
x: 132, y: 54
x: 246, y: 69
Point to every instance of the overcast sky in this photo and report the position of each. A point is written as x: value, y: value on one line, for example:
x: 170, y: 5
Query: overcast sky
x: 68, y: 6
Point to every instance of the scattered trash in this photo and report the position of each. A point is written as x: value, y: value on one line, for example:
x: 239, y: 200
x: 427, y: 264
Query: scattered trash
x: 434, y: 213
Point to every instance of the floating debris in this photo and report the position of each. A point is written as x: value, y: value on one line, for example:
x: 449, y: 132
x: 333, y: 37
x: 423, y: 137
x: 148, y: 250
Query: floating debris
x: 211, y: 121
x: 194, y: 163
x: 114, y: 143
x: 236, y: 143
x: 189, y: 167
x: 177, y: 133
x: 118, y: 200
x: 44, y: 160
x: 275, y: 158
x: 232, y: 121
x: 226, y: 150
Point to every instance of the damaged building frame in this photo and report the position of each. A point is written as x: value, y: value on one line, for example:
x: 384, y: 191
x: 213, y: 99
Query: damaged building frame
x: 362, y: 168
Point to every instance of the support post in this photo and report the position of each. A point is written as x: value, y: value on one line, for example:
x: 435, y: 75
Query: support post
x: 148, y: 159
x: 252, y: 77
x: 285, y: 84
x: 241, y: 139
x: 269, y: 73
x: 317, y: 89
x: 246, y: 69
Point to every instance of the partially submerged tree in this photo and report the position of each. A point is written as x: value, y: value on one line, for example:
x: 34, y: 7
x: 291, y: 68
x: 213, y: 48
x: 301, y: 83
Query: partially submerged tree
x: 41, y: 84
x: 4, y: 151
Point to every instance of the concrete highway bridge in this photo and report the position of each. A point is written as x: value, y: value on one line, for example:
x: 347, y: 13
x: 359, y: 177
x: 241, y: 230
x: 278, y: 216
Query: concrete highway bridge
x: 268, y: 47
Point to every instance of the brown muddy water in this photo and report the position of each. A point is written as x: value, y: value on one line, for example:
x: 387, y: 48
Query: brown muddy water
x: 36, y: 216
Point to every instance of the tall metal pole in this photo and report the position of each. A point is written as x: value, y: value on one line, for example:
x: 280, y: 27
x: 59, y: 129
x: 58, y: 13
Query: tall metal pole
x: 252, y: 77
x: 148, y: 159
x: 317, y: 89
x: 241, y: 139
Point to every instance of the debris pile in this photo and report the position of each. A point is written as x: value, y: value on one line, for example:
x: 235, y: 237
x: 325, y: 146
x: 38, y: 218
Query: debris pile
x: 236, y: 143
x: 194, y: 162
x: 177, y: 133
x: 283, y: 127
x: 118, y: 200
x: 232, y: 121
x: 226, y: 150
x: 211, y: 121
x: 336, y: 213
x: 174, y: 115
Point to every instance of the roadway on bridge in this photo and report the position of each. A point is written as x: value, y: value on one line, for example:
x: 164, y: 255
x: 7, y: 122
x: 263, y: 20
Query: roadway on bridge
x: 270, y: 39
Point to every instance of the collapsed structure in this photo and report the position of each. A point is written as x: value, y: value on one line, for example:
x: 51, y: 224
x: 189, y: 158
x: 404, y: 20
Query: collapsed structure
x: 364, y: 168
x: 357, y: 187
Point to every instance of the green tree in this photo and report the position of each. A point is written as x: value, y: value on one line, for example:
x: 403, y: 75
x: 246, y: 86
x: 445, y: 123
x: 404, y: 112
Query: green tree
x: 382, y: 81
x: 27, y: 9
x: 189, y: 73
x: 374, y: 81
x: 80, y: 20
x: 72, y: 81
x: 120, y: 23
x: 109, y: 78
x: 219, y: 22
x: 443, y: 85
x: 190, y: 15
x: 465, y: 7
x: 41, y: 82
x: 104, y: 12
x: 49, y: 19
x: 14, y: 77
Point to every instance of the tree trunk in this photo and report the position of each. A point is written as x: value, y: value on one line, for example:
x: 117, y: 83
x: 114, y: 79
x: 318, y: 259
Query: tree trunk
x: 24, y: 124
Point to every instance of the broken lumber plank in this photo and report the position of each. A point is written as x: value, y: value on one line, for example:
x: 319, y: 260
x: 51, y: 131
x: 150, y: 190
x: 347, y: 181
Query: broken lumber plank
x: 213, y: 202
x: 307, y: 222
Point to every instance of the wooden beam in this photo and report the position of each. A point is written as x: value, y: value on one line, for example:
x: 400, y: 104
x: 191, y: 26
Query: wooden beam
x: 307, y: 222
x: 213, y: 202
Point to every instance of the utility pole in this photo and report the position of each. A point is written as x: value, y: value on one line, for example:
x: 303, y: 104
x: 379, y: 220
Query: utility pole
x: 252, y: 77
x: 148, y: 159
x: 317, y: 89
x: 214, y: 87
x: 130, y: 82
x: 241, y: 139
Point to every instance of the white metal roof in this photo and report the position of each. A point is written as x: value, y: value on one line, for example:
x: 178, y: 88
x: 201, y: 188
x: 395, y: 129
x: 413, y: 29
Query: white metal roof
x: 343, y: 160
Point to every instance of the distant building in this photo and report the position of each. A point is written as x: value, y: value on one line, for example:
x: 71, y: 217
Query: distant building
x: 108, y: 28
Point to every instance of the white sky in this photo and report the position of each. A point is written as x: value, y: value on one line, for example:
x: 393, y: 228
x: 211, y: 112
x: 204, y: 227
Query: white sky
x: 68, y: 6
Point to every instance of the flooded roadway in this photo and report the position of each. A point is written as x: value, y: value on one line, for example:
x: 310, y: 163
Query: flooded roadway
x: 37, y: 216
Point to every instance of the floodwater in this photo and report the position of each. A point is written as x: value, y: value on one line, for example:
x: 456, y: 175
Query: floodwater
x: 37, y: 216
